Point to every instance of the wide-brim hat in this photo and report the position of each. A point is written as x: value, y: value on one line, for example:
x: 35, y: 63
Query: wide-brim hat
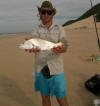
x: 47, y: 4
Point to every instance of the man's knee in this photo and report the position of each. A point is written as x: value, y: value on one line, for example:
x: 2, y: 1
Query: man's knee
x: 46, y: 98
x: 62, y: 101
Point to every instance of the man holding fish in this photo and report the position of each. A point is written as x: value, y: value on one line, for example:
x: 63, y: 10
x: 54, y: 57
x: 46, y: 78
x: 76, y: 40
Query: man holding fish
x: 49, y: 70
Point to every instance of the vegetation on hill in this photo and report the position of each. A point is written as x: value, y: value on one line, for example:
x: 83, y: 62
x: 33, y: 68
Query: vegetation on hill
x: 95, y: 10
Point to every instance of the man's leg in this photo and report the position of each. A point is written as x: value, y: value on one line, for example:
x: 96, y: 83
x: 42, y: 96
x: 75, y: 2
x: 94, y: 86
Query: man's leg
x: 62, y: 101
x: 46, y: 100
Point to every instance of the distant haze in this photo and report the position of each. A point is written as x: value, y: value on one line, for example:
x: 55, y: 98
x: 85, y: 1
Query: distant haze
x: 21, y: 15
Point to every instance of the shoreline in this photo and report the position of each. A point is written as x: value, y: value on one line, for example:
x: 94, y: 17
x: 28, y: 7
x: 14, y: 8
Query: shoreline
x: 12, y: 34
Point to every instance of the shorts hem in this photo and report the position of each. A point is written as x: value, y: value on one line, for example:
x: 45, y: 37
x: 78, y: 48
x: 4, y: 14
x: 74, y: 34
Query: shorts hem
x: 61, y: 96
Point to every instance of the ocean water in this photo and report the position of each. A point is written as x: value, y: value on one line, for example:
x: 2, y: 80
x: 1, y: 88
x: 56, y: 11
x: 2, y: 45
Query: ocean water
x: 7, y: 34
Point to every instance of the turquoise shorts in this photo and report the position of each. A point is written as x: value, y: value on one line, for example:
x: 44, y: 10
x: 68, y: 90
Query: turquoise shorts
x: 56, y: 85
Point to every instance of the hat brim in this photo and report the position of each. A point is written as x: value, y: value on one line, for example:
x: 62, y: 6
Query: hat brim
x: 53, y: 9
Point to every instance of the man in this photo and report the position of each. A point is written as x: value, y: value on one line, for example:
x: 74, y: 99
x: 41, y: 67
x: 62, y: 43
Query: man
x: 49, y: 71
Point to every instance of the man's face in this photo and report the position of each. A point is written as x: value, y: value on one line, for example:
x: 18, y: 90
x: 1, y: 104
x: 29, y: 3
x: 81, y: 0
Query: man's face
x: 46, y: 15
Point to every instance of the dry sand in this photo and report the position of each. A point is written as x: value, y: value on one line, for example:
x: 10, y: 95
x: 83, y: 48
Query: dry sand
x: 16, y: 67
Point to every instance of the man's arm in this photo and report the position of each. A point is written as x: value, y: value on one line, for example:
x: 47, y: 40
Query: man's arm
x: 63, y: 40
x: 34, y: 34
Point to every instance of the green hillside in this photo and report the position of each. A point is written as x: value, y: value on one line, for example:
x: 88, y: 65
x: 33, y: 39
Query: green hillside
x: 95, y: 10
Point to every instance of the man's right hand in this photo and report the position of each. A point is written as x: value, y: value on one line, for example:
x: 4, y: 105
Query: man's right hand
x: 33, y: 49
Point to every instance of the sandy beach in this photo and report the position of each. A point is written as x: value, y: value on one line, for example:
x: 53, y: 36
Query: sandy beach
x: 16, y: 67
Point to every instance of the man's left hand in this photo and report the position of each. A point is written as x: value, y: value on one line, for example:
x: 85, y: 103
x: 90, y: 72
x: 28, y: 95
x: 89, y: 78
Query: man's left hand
x: 59, y: 49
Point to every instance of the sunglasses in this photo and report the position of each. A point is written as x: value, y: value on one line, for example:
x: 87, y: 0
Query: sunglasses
x: 49, y: 12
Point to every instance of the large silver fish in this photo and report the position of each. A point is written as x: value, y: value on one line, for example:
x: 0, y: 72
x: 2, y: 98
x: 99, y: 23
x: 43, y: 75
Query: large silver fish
x: 38, y: 43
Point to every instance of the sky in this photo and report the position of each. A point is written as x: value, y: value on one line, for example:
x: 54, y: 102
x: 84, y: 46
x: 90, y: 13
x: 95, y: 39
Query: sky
x: 21, y: 15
